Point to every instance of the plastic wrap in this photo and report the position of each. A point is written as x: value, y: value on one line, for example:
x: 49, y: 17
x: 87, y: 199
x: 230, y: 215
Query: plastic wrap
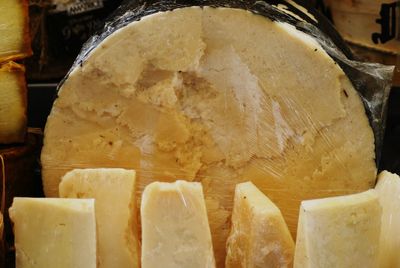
x: 372, y: 81
x: 165, y: 96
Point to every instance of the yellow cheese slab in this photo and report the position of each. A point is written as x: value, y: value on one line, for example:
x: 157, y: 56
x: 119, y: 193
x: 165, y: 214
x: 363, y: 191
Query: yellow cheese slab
x: 54, y: 232
x: 259, y: 235
x: 388, y: 189
x: 117, y: 227
x: 175, y: 230
x: 339, y: 231
x: 13, y: 103
x: 14, y: 30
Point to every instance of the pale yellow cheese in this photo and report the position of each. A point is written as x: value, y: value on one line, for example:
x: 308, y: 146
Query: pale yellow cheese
x: 259, y: 235
x: 14, y: 30
x: 175, y: 230
x: 339, y: 232
x: 117, y: 227
x: 388, y: 189
x: 52, y: 232
x: 224, y: 98
x: 13, y: 103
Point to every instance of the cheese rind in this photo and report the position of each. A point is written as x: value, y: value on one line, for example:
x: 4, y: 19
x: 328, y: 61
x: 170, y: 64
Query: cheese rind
x: 54, y: 232
x: 117, y: 227
x: 259, y: 235
x: 13, y: 103
x: 175, y: 230
x: 339, y: 232
x: 388, y: 189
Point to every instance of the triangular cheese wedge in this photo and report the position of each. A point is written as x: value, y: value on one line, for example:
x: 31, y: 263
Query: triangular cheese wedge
x: 259, y: 235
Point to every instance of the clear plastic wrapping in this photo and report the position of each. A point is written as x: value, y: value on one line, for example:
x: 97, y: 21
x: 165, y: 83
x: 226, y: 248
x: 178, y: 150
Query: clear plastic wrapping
x: 222, y: 92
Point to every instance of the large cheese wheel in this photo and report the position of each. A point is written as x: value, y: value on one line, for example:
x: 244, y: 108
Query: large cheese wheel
x: 219, y: 96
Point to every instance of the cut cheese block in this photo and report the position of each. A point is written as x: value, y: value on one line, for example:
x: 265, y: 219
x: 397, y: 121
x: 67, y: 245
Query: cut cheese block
x: 197, y: 100
x: 388, y: 189
x: 339, y: 232
x: 13, y: 103
x: 175, y: 230
x: 259, y: 235
x: 54, y: 232
x: 14, y: 30
x: 117, y: 227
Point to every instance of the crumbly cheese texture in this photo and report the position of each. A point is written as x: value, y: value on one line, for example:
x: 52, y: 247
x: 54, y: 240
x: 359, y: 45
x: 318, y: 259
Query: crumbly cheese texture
x: 224, y: 98
x: 54, y: 232
x: 339, y: 231
x: 259, y: 235
x: 175, y: 230
x: 14, y: 30
x: 116, y: 216
x: 13, y: 104
x: 388, y: 189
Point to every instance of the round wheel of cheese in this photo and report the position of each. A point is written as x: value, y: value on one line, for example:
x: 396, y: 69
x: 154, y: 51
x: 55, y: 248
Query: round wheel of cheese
x: 216, y: 95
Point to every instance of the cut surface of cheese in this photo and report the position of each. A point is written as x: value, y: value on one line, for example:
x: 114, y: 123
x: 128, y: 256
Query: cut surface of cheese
x: 339, y: 232
x: 259, y: 235
x: 13, y: 103
x: 388, y: 189
x: 14, y: 30
x: 54, y: 232
x: 116, y: 217
x: 175, y: 230
x: 197, y: 100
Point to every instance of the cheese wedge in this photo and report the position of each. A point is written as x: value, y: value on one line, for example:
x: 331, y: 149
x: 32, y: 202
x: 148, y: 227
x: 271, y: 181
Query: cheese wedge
x: 175, y: 230
x: 227, y: 97
x: 388, y: 189
x: 14, y: 30
x: 13, y: 103
x: 339, y: 231
x: 117, y: 227
x: 53, y: 232
x: 259, y: 235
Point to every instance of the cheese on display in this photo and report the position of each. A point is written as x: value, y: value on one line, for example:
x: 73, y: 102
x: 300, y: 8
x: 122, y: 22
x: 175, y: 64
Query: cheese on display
x: 388, y: 189
x: 259, y: 235
x: 54, y: 232
x: 13, y: 96
x: 116, y: 217
x: 339, y: 231
x: 175, y: 230
x: 14, y: 30
x: 199, y: 101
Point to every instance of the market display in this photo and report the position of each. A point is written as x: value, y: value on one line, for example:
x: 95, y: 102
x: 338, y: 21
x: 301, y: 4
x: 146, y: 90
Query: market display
x: 259, y: 236
x: 199, y: 134
x: 115, y: 207
x: 197, y: 101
